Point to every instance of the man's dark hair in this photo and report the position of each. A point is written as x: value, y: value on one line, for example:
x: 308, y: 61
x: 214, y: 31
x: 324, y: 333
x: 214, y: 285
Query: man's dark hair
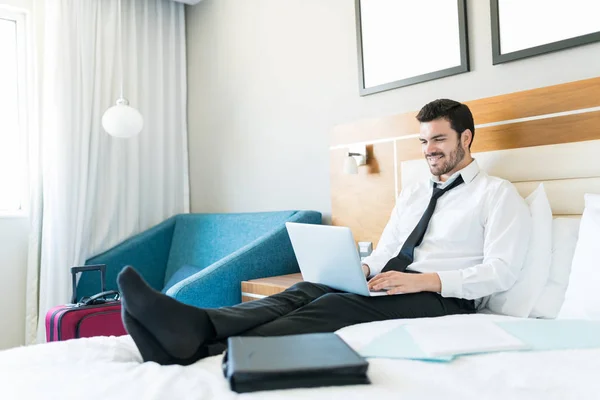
x: 456, y: 113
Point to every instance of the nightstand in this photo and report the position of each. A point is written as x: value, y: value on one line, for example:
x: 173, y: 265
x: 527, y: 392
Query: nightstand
x: 263, y: 287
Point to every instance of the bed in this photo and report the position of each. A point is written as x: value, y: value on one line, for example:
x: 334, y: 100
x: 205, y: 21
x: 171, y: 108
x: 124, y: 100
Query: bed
x: 547, y: 135
x: 111, y: 368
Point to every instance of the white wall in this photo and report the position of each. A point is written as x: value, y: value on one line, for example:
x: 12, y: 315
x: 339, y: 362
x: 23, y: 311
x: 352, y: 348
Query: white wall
x: 14, y: 232
x: 268, y: 80
x: 24, y: 4
x: 13, y: 263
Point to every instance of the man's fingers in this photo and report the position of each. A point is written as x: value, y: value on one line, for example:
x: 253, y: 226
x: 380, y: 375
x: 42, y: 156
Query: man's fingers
x: 387, y: 283
x: 383, y: 279
x: 375, y: 280
x: 383, y: 275
x: 386, y: 280
x: 396, y: 290
x: 380, y: 284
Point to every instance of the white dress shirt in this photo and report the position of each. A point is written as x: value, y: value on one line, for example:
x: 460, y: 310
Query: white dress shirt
x: 477, y: 238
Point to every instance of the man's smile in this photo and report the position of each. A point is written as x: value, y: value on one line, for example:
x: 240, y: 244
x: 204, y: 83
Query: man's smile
x: 434, y: 158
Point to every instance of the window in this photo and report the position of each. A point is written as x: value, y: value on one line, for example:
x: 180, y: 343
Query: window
x: 13, y: 119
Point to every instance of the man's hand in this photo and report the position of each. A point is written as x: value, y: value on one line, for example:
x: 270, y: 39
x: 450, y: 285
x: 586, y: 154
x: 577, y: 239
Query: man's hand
x: 395, y: 282
x: 366, y: 270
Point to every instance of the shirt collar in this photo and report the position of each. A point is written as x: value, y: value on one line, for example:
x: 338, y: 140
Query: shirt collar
x: 468, y: 173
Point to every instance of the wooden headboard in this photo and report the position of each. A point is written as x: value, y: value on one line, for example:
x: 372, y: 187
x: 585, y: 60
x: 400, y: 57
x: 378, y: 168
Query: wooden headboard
x: 552, y: 115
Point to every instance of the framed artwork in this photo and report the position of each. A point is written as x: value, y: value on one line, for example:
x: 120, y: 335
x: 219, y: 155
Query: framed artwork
x: 523, y: 29
x: 405, y: 42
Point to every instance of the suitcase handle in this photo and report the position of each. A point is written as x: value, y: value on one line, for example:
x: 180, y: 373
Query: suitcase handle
x: 100, y: 298
x: 84, y: 268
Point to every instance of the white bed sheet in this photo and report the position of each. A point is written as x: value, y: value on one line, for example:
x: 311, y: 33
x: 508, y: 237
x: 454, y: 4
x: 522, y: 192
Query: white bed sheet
x: 111, y: 368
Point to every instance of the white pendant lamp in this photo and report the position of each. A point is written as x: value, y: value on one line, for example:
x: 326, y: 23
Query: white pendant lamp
x: 122, y: 120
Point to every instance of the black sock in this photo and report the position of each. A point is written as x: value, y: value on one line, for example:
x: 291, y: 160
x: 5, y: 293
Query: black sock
x: 149, y: 347
x: 179, y: 329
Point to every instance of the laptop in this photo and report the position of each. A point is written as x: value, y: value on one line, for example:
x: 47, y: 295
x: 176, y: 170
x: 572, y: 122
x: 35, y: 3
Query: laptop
x: 328, y: 255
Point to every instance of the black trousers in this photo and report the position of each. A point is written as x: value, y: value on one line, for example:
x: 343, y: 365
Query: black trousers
x: 311, y: 308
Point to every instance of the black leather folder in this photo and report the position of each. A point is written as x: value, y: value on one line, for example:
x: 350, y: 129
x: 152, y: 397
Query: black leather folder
x: 295, y: 361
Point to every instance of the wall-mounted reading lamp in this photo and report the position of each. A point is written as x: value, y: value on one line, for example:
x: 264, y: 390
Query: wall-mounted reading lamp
x: 357, y: 156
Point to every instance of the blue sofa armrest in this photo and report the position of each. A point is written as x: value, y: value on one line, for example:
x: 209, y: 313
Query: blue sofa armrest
x: 147, y: 252
x: 219, y: 284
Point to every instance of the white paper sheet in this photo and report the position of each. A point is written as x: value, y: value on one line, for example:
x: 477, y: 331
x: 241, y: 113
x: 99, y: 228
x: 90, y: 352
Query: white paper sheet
x: 455, y: 339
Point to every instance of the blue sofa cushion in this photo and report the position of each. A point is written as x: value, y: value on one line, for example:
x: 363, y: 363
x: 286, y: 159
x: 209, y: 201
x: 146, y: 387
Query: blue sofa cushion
x: 203, y: 239
x: 182, y: 273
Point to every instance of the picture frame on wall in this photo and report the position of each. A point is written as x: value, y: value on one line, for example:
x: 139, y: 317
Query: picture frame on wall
x: 403, y: 43
x: 522, y: 29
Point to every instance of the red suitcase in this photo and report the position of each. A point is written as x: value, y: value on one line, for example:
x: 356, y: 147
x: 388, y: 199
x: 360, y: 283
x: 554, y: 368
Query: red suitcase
x: 98, y: 315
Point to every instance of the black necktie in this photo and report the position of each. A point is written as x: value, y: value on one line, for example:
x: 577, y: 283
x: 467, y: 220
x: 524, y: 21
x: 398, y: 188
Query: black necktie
x: 405, y: 257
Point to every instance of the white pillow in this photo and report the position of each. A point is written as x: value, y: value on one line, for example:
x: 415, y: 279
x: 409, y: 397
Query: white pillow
x: 582, y: 299
x: 518, y: 301
x: 564, y: 239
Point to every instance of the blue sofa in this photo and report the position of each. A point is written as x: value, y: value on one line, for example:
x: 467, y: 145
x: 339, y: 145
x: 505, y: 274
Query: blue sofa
x: 201, y: 259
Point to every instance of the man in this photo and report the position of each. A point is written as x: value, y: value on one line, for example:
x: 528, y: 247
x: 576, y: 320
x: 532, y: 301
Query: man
x: 451, y: 242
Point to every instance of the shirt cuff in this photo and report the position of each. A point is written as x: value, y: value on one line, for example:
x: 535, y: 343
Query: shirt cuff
x: 375, y: 266
x: 451, y: 283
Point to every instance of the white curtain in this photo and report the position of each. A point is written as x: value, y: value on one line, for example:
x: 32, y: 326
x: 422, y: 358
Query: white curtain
x: 95, y: 190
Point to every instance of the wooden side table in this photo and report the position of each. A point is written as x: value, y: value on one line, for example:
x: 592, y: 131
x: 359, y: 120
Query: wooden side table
x: 263, y: 287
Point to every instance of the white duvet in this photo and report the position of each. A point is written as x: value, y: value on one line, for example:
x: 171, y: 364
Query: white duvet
x: 111, y: 369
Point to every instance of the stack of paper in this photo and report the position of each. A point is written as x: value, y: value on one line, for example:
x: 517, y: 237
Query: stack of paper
x: 469, y: 338
x: 398, y: 343
x: 561, y: 334
x: 442, y: 341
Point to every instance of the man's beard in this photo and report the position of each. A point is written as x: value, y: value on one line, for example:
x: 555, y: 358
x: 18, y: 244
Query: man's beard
x: 450, y: 161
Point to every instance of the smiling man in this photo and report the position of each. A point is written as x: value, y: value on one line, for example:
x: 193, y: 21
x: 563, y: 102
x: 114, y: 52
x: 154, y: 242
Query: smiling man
x: 451, y: 241
x: 472, y: 220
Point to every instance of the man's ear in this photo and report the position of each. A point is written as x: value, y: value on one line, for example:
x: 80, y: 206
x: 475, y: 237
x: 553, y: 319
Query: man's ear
x: 466, y: 137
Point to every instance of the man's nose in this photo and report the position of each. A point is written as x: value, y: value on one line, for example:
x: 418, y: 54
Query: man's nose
x: 430, y: 148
